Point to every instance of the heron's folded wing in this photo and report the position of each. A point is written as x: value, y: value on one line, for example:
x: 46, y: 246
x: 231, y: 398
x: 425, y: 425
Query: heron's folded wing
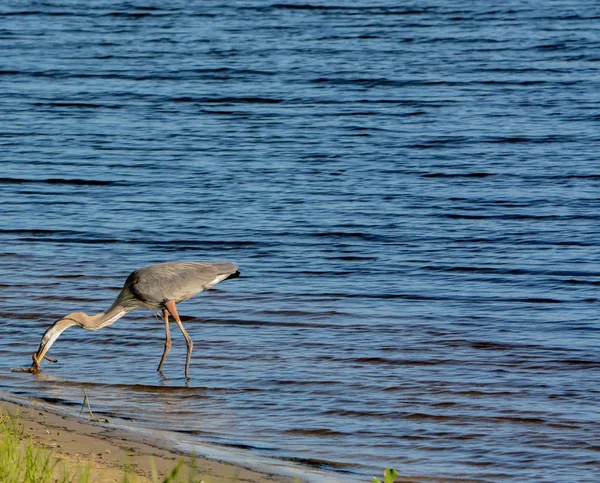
x: 178, y: 281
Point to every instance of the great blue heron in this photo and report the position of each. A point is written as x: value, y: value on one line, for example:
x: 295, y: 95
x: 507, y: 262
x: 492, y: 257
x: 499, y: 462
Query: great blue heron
x: 154, y: 287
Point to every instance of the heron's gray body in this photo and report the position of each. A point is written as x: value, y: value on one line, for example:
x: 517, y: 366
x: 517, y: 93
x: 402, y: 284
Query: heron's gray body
x: 156, y: 287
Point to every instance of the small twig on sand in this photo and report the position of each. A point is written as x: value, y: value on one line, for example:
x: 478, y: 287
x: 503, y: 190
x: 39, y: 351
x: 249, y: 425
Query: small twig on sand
x: 93, y: 418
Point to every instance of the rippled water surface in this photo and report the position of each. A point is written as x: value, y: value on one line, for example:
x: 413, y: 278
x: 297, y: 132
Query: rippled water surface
x: 411, y: 190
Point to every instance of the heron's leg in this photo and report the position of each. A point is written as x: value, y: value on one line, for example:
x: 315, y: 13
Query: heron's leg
x: 167, y: 340
x: 170, y: 305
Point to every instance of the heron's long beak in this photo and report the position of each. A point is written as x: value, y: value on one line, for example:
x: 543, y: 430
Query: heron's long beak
x: 47, y: 340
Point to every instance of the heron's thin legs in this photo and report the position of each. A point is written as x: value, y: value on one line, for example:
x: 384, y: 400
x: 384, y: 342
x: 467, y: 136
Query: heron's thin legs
x: 167, y: 340
x: 170, y: 305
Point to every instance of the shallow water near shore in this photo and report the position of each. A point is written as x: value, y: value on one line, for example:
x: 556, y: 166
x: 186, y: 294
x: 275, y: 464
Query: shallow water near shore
x: 411, y: 192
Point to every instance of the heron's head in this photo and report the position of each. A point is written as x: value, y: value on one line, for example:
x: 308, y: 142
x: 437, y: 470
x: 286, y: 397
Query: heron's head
x: 50, y: 336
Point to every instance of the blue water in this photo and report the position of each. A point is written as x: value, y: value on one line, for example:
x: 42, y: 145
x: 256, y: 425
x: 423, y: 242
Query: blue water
x: 411, y: 191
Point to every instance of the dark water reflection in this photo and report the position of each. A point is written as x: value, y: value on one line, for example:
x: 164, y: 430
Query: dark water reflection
x: 411, y: 192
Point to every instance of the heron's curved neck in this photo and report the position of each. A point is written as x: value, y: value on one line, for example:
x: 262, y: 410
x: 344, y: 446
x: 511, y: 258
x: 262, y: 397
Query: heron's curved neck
x: 88, y: 322
x: 100, y: 320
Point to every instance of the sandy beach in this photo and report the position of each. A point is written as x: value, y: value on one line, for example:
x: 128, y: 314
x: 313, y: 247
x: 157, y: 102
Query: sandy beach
x: 109, y: 451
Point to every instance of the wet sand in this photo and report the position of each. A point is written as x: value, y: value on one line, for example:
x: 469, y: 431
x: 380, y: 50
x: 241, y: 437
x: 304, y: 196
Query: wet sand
x: 109, y: 451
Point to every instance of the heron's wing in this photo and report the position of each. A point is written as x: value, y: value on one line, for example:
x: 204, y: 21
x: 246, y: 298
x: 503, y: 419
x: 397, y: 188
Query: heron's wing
x: 177, y: 281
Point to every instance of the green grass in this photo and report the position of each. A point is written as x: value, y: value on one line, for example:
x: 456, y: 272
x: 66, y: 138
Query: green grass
x: 389, y: 476
x: 23, y: 462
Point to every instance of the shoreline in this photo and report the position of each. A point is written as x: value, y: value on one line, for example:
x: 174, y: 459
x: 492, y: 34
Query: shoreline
x: 147, y: 454
x: 110, y: 450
